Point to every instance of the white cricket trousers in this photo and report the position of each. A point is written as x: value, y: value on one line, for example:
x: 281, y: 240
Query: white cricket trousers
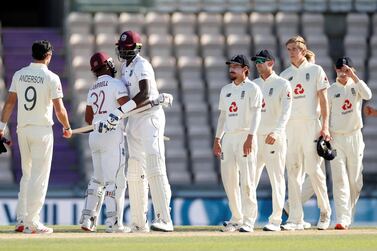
x: 238, y: 176
x: 273, y: 157
x: 36, y: 144
x: 302, y: 157
x: 346, y: 170
x: 145, y: 138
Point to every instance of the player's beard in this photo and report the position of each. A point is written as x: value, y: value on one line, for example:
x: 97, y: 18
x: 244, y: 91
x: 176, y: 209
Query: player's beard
x: 232, y: 76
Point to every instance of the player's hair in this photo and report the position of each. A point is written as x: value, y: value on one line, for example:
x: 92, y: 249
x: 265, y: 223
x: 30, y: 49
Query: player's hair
x: 310, y: 56
x: 298, y: 40
x: 40, y: 49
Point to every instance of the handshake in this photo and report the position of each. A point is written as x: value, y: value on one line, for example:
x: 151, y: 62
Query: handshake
x: 112, y: 121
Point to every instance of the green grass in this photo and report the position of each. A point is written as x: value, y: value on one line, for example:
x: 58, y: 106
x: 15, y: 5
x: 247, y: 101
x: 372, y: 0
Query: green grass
x: 191, y: 238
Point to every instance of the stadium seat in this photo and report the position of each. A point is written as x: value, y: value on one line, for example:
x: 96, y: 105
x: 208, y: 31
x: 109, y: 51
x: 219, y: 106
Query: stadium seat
x: 164, y: 67
x: 358, y: 25
x: 214, y: 6
x: 79, y: 22
x: 287, y: 24
x: 186, y: 45
x: 265, y: 5
x: 212, y: 45
x: 131, y: 21
x: 290, y: 5
x: 160, y: 45
x: 165, y: 6
x: 156, y: 22
x: 261, y: 23
x: 315, y: 5
x: 355, y: 47
x: 366, y: 6
x: 191, y: 6
x: 235, y: 23
x: 340, y: 5
x: 104, y: 22
x: 183, y: 23
x: 313, y: 24
x: 239, y: 6
x: 81, y: 44
x: 209, y: 23
x: 318, y: 43
x: 238, y: 45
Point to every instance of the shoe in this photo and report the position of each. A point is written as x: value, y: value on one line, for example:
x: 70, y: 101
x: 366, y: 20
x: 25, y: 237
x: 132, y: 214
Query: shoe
x: 231, y: 227
x: 37, y: 229
x: 292, y: 226
x: 117, y: 229
x: 340, y: 226
x: 272, y: 227
x: 161, y: 225
x: 137, y: 229
x: 324, y: 221
x: 246, y: 229
x: 19, y: 226
x: 225, y: 223
x: 88, y: 224
x: 306, y: 225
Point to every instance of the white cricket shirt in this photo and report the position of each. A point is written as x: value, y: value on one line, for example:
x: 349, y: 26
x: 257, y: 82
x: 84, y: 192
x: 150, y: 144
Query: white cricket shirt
x: 276, y: 104
x: 238, y: 102
x: 305, y: 81
x: 103, y: 96
x: 345, y: 102
x: 36, y: 86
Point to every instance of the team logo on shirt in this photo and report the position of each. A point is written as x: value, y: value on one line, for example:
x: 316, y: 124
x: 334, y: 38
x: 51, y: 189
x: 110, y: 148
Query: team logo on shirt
x: 299, y: 91
x: 307, y: 76
x: 228, y: 95
x: 347, y: 107
x: 263, y: 105
x: 233, y: 107
x: 271, y: 91
x: 131, y: 72
x: 242, y: 94
x: 337, y: 95
x: 290, y: 78
x: 353, y: 91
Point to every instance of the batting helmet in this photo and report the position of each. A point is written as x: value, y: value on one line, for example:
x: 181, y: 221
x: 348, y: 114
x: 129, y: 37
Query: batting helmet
x: 128, y: 45
x: 101, y: 59
x: 325, y: 150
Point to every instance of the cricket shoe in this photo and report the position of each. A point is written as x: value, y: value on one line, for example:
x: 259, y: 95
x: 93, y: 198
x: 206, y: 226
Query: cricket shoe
x: 19, y: 226
x: 324, y: 221
x: 38, y: 228
x: 272, y: 227
x: 161, y: 225
x: 137, y: 229
x: 230, y: 227
x: 306, y: 224
x: 246, y: 229
x: 341, y: 226
x: 88, y: 224
x: 289, y: 226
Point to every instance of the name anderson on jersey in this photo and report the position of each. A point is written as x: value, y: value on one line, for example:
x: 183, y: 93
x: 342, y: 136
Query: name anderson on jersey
x: 31, y: 79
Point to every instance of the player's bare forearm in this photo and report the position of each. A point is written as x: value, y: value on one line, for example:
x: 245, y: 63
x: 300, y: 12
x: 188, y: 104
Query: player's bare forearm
x: 8, y: 107
x: 61, y: 112
x: 323, y: 103
x: 143, y: 94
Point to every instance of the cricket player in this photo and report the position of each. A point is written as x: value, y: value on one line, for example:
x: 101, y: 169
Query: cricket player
x: 236, y: 143
x: 145, y: 131
x: 345, y: 100
x: 272, y: 145
x: 108, y: 152
x: 37, y: 91
x: 309, y: 84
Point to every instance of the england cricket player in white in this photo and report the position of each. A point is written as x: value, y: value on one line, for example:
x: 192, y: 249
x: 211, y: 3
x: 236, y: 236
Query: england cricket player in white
x: 108, y: 150
x: 236, y: 143
x: 309, y: 85
x: 345, y: 100
x: 272, y: 145
x: 37, y: 90
x: 145, y: 131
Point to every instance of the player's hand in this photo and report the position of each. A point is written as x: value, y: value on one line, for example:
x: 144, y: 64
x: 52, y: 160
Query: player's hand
x: 67, y: 133
x: 325, y: 134
x: 217, y: 148
x: 1, y: 133
x: 111, y: 122
x: 247, y: 145
x: 270, y: 139
x: 165, y: 99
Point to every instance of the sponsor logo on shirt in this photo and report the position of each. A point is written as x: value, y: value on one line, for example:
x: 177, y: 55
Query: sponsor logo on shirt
x: 299, y: 91
x: 347, y: 107
x: 337, y: 95
x: 353, y: 91
x: 271, y: 91
x: 307, y: 76
x: 233, y: 107
x: 131, y: 72
x: 228, y: 95
x: 242, y: 94
x: 290, y: 78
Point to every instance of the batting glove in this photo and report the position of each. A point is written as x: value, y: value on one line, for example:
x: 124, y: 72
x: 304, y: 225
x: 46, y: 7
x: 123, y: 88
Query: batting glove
x: 165, y: 99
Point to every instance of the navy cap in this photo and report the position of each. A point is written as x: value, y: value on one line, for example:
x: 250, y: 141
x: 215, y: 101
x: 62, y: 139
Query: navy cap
x: 263, y: 54
x: 239, y: 59
x: 343, y: 61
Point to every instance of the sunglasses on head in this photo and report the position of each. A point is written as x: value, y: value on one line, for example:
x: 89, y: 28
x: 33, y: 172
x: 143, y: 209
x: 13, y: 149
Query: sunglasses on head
x: 260, y: 60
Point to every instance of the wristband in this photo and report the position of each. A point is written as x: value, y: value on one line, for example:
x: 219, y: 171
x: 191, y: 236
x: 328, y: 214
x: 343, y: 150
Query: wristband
x: 130, y: 105
x: 3, y: 126
x: 67, y: 129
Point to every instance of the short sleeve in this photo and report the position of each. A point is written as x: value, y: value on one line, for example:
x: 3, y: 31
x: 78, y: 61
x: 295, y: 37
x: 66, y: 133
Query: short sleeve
x: 120, y: 90
x: 144, y: 70
x: 322, y: 81
x: 56, y: 87
x: 222, y: 101
x: 13, y: 85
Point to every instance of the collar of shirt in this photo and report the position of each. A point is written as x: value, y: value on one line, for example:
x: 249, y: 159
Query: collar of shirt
x: 38, y: 65
x: 103, y: 76
x: 133, y: 62
x: 270, y: 78
x: 349, y: 82
x: 302, y: 65
x: 239, y: 85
